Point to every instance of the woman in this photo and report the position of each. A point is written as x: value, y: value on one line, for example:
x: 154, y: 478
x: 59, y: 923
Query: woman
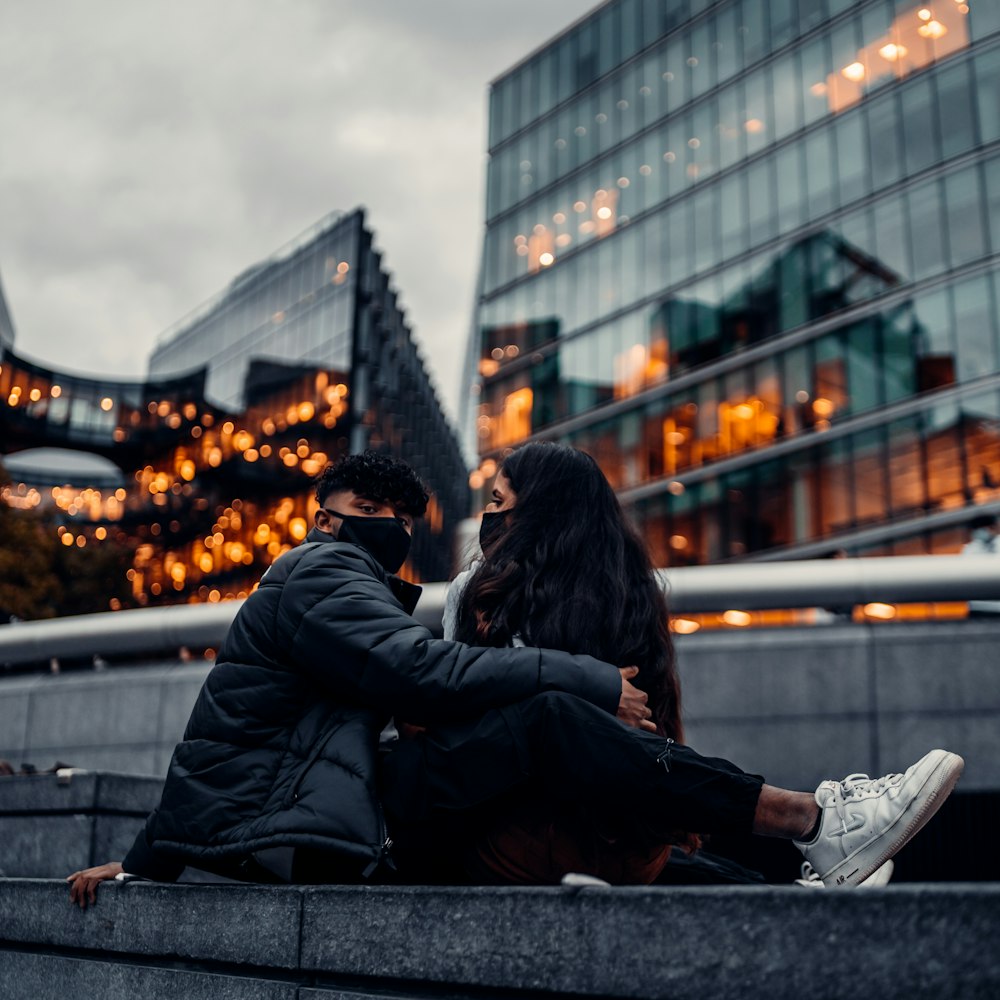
x: 561, y: 568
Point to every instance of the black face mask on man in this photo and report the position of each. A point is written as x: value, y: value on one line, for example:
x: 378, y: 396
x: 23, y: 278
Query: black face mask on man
x: 385, y: 538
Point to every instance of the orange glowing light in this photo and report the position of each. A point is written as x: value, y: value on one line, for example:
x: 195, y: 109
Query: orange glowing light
x: 855, y: 72
x: 883, y: 612
x: 932, y: 29
x: 684, y: 626
x: 892, y: 52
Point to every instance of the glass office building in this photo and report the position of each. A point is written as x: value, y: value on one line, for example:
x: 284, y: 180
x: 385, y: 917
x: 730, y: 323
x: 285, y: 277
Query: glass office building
x: 747, y: 254
x: 218, y: 482
x: 297, y: 304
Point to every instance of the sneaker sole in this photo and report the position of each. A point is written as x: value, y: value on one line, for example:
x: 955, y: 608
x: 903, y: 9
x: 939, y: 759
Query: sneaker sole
x: 861, y: 864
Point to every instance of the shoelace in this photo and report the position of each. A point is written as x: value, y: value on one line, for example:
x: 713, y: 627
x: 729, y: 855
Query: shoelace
x: 854, y: 785
x: 809, y: 874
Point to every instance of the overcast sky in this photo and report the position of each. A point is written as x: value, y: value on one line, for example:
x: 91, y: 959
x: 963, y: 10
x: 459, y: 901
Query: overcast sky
x: 150, y: 151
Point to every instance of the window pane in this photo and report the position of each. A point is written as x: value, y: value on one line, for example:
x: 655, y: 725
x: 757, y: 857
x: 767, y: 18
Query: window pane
x: 815, y: 65
x: 863, y: 376
x: 988, y: 93
x: 728, y: 51
x: 891, y: 236
x: 733, y: 216
x: 870, y: 488
x: 964, y: 214
x: 933, y: 340
x: 974, y: 321
x: 758, y: 122
x: 883, y: 141
x: 926, y: 226
x: 836, y: 488
x: 699, y: 61
x: 943, y: 452
x: 819, y: 173
x: 762, y: 219
x: 787, y: 103
x: 985, y: 19
x: 789, y: 176
x: 897, y: 354
x: 991, y: 174
x: 851, y: 160
x: 906, y: 478
x: 673, y: 74
x: 754, y: 31
x: 919, y: 127
x: 956, y: 110
x: 730, y: 130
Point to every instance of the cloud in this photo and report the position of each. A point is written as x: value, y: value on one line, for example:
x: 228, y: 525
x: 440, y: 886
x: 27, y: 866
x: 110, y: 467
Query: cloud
x: 153, y: 151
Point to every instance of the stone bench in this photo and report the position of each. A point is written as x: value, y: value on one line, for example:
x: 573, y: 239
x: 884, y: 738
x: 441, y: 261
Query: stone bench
x: 321, y: 943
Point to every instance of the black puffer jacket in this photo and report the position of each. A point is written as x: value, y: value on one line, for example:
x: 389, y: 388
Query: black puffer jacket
x: 282, y: 743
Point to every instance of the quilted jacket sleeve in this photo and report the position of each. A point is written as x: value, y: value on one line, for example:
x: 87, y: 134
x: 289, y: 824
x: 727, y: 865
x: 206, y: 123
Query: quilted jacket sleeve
x: 347, y: 630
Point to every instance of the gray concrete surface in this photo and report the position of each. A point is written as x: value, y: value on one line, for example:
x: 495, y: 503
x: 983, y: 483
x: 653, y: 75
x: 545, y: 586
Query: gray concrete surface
x: 802, y: 705
x: 50, y: 826
x: 142, y: 940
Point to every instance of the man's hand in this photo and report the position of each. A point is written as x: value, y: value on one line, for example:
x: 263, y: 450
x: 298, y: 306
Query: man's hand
x: 632, y: 709
x: 83, y: 885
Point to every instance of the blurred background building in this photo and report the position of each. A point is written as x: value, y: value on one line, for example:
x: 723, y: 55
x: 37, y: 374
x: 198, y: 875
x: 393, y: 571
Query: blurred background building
x: 208, y: 464
x: 747, y: 254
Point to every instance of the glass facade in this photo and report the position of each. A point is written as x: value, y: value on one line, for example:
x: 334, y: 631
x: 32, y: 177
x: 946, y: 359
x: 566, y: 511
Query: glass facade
x: 297, y: 304
x: 211, y: 494
x: 747, y: 254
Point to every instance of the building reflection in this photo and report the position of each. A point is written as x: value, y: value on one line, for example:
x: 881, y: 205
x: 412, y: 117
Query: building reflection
x: 731, y: 440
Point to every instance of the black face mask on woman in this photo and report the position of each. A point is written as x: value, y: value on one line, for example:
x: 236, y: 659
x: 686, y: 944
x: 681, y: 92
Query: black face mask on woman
x: 491, y: 527
x: 383, y: 537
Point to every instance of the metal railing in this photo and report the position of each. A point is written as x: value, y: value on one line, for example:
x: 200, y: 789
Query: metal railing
x: 743, y: 586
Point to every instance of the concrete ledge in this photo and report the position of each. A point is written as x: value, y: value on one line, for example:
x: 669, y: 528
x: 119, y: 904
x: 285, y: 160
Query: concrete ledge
x: 251, y: 925
x: 907, y: 941
x: 50, y: 826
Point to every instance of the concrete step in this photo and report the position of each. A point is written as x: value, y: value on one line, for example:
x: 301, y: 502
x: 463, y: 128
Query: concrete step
x: 320, y: 943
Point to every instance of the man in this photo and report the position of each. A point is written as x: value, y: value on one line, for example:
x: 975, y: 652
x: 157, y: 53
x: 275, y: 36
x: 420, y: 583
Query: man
x: 281, y: 751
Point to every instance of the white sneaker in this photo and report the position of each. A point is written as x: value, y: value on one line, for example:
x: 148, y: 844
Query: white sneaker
x: 864, y: 822
x: 811, y: 880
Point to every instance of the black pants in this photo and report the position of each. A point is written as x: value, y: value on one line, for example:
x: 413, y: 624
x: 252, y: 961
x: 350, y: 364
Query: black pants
x: 564, y: 751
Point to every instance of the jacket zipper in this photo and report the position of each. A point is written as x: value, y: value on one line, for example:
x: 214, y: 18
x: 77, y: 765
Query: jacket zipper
x: 382, y: 851
x: 664, y: 757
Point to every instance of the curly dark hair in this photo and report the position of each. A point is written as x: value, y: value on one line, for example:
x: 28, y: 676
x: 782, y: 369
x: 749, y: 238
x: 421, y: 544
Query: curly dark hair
x: 570, y: 572
x: 377, y: 477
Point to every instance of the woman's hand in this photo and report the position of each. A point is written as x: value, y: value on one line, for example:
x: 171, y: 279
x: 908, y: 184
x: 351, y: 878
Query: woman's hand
x: 632, y: 708
x: 83, y: 885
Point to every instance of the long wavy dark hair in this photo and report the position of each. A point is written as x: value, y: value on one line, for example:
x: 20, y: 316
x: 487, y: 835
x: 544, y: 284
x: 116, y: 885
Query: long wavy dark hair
x: 569, y: 572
